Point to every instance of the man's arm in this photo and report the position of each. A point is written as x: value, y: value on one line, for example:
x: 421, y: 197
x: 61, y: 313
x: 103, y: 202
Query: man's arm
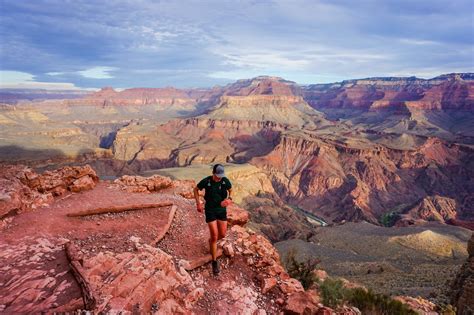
x: 228, y: 201
x: 196, y: 197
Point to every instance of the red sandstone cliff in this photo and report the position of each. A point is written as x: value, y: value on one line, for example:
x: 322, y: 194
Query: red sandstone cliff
x: 448, y: 92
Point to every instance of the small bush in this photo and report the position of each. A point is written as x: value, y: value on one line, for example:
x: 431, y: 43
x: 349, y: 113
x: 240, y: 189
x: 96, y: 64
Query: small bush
x: 389, y: 219
x: 302, y: 271
x: 333, y: 292
x: 368, y: 301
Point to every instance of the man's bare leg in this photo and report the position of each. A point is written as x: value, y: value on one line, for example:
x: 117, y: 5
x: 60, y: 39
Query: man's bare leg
x: 213, y: 239
x: 221, y: 229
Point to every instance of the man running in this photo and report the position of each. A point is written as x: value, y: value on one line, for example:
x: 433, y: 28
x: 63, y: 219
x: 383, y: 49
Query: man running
x: 218, y: 190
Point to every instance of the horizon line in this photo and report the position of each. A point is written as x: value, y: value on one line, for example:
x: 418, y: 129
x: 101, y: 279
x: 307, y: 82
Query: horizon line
x: 94, y: 89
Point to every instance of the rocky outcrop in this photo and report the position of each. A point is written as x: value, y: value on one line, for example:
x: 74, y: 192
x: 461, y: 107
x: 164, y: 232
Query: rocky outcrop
x: 143, y: 184
x: 57, y: 182
x: 263, y: 257
x: 462, y: 296
x: 16, y: 197
x: 237, y: 215
x: 156, y: 183
x: 23, y: 189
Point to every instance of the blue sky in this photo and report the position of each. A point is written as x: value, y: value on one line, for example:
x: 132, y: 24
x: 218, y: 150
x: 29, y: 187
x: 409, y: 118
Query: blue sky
x: 144, y: 43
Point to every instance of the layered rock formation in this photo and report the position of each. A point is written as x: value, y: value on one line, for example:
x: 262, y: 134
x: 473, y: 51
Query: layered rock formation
x: 462, y: 296
x: 453, y: 91
x: 143, y: 281
x: 22, y: 189
x: 344, y: 183
x: 288, y: 110
x: 165, y: 97
x: 432, y: 208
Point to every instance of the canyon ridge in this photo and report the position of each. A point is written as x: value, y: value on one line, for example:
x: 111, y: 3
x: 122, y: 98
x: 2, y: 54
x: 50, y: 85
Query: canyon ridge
x: 373, y: 177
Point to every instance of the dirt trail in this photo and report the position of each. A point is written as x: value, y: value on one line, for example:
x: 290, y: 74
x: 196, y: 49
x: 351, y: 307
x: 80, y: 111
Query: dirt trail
x: 237, y: 287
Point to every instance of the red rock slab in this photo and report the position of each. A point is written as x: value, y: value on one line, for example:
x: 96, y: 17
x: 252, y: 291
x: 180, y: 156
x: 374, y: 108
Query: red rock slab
x: 136, y: 281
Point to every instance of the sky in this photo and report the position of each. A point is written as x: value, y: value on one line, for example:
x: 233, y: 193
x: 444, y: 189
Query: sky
x: 70, y: 44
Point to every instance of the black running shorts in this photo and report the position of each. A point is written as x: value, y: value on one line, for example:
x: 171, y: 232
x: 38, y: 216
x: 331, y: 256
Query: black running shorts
x: 216, y: 214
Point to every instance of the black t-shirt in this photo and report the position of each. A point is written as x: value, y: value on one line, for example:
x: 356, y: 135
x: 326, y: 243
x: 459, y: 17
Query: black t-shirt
x: 216, y: 192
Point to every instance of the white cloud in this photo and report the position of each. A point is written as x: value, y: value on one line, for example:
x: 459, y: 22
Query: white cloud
x: 14, y: 77
x: 54, y: 73
x: 418, y: 42
x: 98, y: 72
x: 265, y: 59
x: 24, y: 80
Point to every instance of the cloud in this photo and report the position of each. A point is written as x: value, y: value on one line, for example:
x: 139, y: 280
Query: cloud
x: 54, y: 73
x: 13, y: 77
x: 421, y: 42
x: 97, y: 72
x: 23, y: 80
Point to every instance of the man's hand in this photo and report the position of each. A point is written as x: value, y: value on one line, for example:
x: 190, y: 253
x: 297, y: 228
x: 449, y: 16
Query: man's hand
x: 198, y: 202
x: 199, y: 207
x: 226, y: 202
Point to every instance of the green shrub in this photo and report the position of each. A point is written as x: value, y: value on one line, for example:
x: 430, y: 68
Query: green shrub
x: 302, y: 271
x: 389, y: 219
x: 333, y: 292
x: 368, y: 301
